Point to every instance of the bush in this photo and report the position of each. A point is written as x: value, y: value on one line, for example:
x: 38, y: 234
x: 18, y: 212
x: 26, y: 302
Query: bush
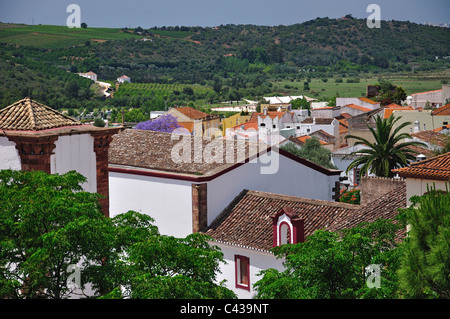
x: 352, y: 196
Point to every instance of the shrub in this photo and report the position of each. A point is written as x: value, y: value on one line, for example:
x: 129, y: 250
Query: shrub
x: 350, y: 196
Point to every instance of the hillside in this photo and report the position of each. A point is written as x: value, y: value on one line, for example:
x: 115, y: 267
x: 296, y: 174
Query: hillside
x: 231, y: 61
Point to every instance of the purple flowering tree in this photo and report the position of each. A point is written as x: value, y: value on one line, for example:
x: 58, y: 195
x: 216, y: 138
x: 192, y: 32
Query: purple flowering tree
x: 164, y: 123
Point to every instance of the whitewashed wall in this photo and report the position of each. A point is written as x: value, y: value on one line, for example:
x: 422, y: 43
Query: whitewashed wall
x: 418, y: 187
x: 9, y: 156
x: 76, y: 152
x: 258, y: 261
x: 168, y: 201
x: 291, y: 178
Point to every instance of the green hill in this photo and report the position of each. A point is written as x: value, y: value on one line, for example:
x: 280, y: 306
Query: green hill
x: 229, y: 61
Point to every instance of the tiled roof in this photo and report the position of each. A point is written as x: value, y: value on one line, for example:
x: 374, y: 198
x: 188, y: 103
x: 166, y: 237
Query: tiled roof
x: 304, y: 138
x: 319, y: 120
x: 384, y: 207
x: 192, y: 113
x: 367, y: 100
x: 442, y: 127
x: 358, y: 107
x: 431, y: 136
x: 435, y: 168
x: 151, y: 152
x: 390, y: 109
x: 443, y: 110
x: 427, y: 92
x: 29, y: 115
x: 247, y: 222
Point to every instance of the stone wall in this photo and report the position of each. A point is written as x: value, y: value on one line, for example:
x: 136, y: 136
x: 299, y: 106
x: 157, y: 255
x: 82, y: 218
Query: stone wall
x: 373, y: 187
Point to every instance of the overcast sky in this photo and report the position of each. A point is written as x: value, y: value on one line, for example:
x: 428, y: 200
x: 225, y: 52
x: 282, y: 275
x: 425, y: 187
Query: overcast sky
x: 133, y: 13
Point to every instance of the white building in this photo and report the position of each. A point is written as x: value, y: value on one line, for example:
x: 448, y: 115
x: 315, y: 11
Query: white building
x: 90, y: 75
x: 36, y: 137
x: 123, y: 79
x: 312, y: 124
x: 361, y: 101
x: 420, y: 175
x: 186, y: 197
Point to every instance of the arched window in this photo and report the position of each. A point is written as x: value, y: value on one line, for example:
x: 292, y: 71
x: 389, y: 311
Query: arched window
x: 285, y: 233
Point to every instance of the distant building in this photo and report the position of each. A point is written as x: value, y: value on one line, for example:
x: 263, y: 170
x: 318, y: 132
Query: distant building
x: 90, y: 75
x: 123, y: 79
x: 196, y: 122
x: 427, y: 99
x: 361, y: 101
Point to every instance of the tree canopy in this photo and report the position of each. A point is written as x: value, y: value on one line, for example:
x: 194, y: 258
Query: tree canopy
x: 54, y: 242
x: 388, y: 152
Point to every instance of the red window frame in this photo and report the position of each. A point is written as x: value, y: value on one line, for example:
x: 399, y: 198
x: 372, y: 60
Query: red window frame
x: 242, y: 272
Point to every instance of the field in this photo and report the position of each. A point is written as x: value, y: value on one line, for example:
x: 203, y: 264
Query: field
x: 412, y: 83
x: 157, y: 90
x: 50, y: 36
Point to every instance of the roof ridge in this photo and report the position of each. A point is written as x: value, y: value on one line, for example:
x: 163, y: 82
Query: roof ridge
x: 305, y: 200
x: 430, y: 159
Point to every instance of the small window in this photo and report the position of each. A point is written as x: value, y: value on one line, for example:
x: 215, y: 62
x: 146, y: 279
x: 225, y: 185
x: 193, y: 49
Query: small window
x: 242, y: 265
x: 308, y: 130
x: 445, y: 123
x: 263, y: 125
x: 274, y: 126
x: 285, y: 233
x: 298, y: 127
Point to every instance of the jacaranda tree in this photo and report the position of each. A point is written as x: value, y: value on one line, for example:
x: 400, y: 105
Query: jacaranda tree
x: 164, y: 123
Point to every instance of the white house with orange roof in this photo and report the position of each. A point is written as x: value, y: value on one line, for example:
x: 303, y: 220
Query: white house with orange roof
x: 361, y: 101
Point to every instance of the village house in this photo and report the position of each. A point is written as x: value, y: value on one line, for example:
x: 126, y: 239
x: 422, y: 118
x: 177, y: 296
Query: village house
x: 255, y: 222
x: 432, y: 172
x: 361, y: 101
x: 312, y: 124
x: 90, y: 75
x: 427, y: 99
x: 144, y: 177
x: 36, y: 137
x: 196, y: 122
x: 123, y: 79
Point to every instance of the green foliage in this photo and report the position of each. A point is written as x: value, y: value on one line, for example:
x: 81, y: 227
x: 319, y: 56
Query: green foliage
x: 425, y: 265
x: 44, y: 225
x: 48, y: 223
x: 312, y: 151
x: 352, y: 196
x: 387, y: 152
x: 331, y: 265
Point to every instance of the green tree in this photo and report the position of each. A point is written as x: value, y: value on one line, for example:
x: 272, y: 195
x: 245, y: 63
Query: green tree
x: 312, y: 151
x: 331, y: 265
x: 388, y: 152
x: 425, y: 265
x: 47, y: 223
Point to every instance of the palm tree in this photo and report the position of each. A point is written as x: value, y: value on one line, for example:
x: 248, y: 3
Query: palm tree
x: 387, y: 153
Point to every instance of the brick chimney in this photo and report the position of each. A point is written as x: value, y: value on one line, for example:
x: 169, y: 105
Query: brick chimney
x: 199, y: 207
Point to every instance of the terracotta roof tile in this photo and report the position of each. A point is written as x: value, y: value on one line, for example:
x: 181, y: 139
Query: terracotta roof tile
x: 432, y: 137
x: 29, y: 115
x: 358, y: 107
x: 192, y: 113
x: 319, y: 120
x: 443, y: 110
x: 247, y: 222
x: 435, y: 168
x: 367, y: 100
